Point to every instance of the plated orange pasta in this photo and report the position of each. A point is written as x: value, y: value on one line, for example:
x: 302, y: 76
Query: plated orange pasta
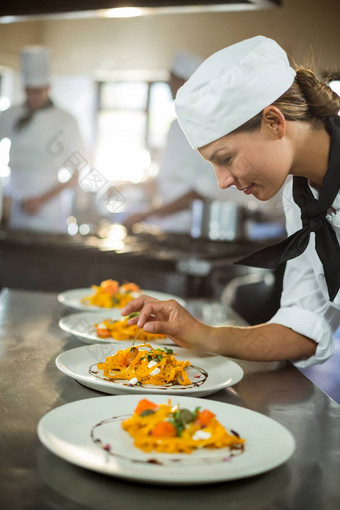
x: 171, y: 429
x: 121, y: 330
x: 109, y: 294
x: 146, y: 365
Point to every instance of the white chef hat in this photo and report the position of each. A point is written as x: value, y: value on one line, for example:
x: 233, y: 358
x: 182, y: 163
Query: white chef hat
x: 35, y: 66
x: 231, y: 87
x: 185, y: 63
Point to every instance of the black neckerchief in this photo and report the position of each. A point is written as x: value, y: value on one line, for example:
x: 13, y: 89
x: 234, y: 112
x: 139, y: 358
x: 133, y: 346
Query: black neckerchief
x: 313, y: 215
x: 23, y: 121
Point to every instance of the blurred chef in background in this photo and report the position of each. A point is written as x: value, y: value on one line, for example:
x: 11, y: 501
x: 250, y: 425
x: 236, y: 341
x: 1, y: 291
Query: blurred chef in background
x: 183, y: 176
x: 43, y: 138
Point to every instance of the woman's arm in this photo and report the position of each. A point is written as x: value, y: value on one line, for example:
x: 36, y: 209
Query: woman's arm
x: 265, y: 342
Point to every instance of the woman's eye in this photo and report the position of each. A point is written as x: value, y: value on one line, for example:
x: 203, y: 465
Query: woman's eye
x: 225, y: 161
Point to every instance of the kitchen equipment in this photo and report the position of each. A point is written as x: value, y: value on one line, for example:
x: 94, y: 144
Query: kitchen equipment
x: 217, y: 220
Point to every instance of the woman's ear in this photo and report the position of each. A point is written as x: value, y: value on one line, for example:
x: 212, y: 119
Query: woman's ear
x: 274, y: 121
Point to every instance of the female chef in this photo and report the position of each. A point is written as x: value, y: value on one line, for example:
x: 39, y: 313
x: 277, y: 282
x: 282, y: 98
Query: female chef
x: 43, y: 138
x: 258, y: 121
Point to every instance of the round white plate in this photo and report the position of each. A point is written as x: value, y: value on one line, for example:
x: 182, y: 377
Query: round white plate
x: 81, y: 325
x: 208, y: 374
x: 79, y: 431
x: 72, y: 298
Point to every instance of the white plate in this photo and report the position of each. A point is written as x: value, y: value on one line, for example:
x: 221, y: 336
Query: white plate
x: 72, y: 298
x: 213, y: 373
x: 81, y: 325
x: 78, y: 431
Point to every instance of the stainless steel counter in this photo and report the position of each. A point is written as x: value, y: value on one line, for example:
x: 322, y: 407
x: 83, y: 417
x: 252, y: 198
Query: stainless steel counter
x: 33, y: 478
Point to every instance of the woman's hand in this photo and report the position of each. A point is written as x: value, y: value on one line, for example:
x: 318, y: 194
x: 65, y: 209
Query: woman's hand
x: 171, y: 319
x: 264, y: 342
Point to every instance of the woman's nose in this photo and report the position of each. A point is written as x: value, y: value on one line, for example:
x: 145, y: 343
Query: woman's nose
x: 224, y: 178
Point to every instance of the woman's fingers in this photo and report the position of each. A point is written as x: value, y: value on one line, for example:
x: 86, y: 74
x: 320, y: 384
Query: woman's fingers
x: 159, y: 309
x: 163, y: 328
x: 135, y: 305
x: 133, y: 321
x: 163, y: 317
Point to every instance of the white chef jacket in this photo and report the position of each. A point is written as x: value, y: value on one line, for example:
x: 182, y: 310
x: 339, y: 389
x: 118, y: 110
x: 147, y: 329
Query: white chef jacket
x: 38, y: 151
x: 183, y: 170
x: 305, y: 306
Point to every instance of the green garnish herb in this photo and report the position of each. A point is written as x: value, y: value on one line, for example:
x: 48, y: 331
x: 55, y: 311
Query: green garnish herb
x: 132, y: 315
x: 177, y: 424
x: 182, y: 417
x: 186, y: 416
x: 147, y: 412
x: 195, y: 413
x: 159, y: 357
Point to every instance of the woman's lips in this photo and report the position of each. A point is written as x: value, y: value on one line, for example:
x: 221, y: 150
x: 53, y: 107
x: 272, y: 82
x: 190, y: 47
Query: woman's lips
x: 247, y: 190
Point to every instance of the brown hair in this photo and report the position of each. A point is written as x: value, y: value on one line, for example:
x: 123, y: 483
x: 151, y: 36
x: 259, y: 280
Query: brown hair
x: 308, y: 99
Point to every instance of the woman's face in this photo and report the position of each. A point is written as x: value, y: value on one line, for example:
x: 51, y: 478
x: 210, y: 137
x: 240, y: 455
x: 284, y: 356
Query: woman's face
x: 257, y: 163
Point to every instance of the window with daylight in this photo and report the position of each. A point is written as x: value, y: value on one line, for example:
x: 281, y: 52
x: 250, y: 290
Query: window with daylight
x: 132, y: 125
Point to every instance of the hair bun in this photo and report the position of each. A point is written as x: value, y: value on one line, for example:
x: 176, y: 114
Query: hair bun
x: 321, y: 99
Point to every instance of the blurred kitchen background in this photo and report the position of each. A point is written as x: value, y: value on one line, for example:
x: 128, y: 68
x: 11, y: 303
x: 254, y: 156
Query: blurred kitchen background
x: 110, y: 70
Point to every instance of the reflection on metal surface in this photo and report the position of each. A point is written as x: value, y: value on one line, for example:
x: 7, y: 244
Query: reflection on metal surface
x: 93, y: 491
x: 217, y: 220
x: 194, y: 266
x: 308, y: 480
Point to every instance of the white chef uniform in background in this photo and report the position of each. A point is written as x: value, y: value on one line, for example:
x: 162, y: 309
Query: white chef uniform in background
x: 38, y: 151
x: 182, y: 169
